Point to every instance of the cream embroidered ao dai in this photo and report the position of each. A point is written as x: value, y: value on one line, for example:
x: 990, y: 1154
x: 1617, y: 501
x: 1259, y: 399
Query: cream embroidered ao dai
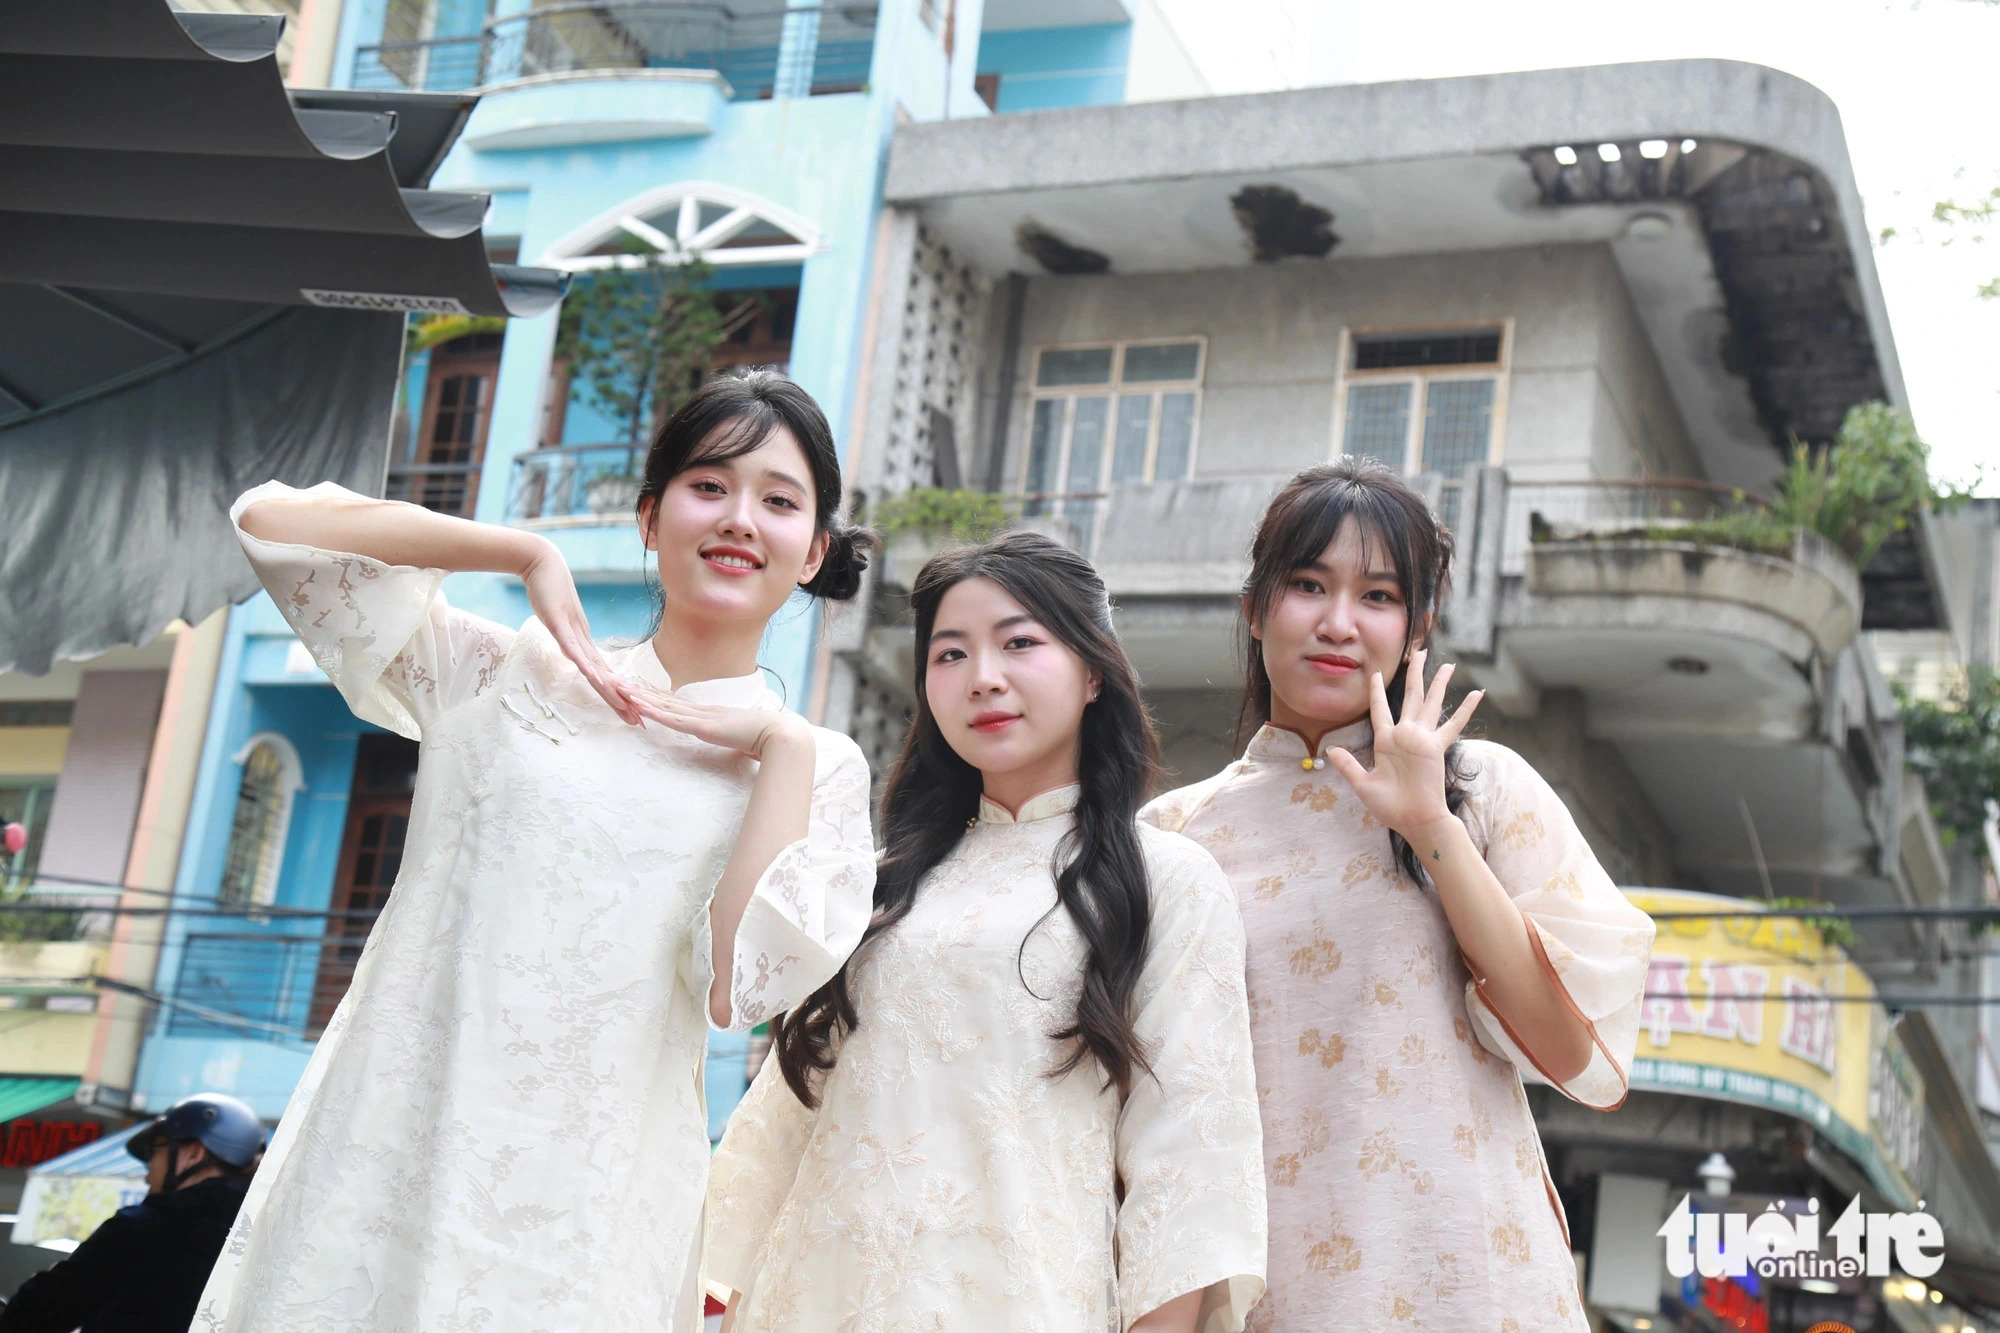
x: 502, y: 1127
x: 1407, y: 1184
x: 946, y: 1182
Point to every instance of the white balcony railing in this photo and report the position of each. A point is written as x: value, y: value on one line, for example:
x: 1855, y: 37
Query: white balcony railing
x: 576, y: 485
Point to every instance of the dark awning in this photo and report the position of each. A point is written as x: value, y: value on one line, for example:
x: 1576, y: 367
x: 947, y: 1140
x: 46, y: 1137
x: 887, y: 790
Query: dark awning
x: 184, y: 246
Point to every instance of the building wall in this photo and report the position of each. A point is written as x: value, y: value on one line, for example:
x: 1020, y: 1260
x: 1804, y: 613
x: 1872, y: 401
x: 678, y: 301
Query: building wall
x: 1637, y: 430
x: 1160, y: 67
x: 104, y: 769
x: 1043, y: 68
x: 157, y: 839
x: 1197, y: 736
x: 1597, y: 785
x: 1579, y: 365
x: 268, y: 688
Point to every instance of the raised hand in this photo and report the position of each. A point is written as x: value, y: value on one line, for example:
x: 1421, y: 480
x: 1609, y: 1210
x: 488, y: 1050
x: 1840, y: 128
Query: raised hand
x: 751, y: 731
x: 1405, y: 790
x: 552, y: 595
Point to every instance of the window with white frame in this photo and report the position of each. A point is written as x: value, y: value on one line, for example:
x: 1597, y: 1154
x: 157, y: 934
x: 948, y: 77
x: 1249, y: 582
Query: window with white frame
x: 1425, y: 401
x: 1107, y: 415
x: 271, y: 775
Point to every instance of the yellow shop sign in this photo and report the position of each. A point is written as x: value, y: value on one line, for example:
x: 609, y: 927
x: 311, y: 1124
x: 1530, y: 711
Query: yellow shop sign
x: 1762, y: 1010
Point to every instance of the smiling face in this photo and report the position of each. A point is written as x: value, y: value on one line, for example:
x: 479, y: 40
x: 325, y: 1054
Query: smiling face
x: 735, y: 536
x: 1008, y: 696
x: 1336, y: 622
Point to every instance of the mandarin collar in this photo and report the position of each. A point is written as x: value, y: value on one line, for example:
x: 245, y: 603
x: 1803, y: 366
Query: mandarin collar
x: 1046, y: 805
x: 1287, y: 746
x: 641, y: 662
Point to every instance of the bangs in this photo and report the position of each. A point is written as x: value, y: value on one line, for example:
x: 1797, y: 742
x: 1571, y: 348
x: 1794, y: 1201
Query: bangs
x: 743, y: 433
x: 1314, y: 519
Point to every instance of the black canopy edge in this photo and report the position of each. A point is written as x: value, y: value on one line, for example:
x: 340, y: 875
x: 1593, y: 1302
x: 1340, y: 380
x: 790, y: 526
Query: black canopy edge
x: 107, y: 81
x: 162, y: 191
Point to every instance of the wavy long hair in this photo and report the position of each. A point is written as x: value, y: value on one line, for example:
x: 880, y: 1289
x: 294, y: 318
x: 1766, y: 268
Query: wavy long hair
x: 1297, y: 526
x: 932, y: 793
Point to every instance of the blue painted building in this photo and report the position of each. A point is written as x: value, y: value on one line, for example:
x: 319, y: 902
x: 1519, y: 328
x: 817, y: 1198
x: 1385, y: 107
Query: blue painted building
x: 753, y: 135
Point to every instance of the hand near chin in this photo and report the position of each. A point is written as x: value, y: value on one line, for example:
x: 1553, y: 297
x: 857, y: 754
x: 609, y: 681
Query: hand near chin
x: 750, y: 731
x: 1405, y: 790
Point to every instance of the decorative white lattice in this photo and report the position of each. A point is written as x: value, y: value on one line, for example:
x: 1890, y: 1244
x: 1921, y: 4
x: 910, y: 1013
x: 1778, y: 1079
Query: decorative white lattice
x: 881, y: 716
x: 936, y: 363
x: 937, y: 324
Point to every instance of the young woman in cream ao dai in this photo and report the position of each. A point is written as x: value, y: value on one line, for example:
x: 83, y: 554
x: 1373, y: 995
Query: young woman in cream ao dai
x: 502, y: 1127
x: 1027, y: 1102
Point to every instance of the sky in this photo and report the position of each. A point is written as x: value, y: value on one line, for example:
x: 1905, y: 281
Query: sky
x: 1914, y: 81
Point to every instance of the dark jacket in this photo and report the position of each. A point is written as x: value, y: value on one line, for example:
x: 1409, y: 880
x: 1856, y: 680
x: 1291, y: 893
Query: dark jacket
x: 140, y: 1272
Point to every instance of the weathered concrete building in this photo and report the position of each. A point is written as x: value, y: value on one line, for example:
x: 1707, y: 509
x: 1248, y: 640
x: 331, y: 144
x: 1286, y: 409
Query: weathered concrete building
x: 1577, y: 307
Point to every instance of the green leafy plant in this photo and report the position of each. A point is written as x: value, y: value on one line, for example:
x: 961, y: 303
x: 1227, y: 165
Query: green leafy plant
x: 966, y: 516
x: 1857, y: 493
x: 25, y: 923
x: 1745, y: 530
x: 641, y: 338
x: 1955, y: 746
x: 424, y: 332
x: 1833, y: 929
x: 1862, y: 490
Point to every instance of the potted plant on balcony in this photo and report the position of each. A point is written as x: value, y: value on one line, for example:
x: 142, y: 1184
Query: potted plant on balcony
x: 1855, y: 494
x: 640, y: 337
x: 917, y: 524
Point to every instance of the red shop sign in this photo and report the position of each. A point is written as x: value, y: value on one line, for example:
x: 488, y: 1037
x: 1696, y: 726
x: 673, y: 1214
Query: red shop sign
x: 32, y: 1142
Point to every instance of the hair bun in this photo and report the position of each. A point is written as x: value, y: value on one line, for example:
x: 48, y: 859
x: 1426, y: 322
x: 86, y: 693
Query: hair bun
x: 847, y: 551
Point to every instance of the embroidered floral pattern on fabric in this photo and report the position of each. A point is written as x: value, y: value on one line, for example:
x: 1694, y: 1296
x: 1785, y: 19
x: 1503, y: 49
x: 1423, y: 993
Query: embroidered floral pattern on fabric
x: 534, y: 994
x: 1390, y: 1091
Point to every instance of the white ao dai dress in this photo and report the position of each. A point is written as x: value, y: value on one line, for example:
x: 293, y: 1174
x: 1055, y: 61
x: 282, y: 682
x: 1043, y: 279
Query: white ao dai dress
x: 946, y: 1182
x: 502, y: 1128
x: 1407, y: 1184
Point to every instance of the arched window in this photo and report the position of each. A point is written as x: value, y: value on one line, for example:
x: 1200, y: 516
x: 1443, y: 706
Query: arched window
x: 724, y: 226
x: 271, y: 774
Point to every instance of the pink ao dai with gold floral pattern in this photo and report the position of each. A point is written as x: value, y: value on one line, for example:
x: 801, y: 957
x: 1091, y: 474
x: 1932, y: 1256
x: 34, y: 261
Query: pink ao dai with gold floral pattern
x: 1406, y: 1180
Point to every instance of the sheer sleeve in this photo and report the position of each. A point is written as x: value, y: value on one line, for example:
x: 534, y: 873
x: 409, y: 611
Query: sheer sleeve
x: 808, y: 910
x: 399, y: 655
x: 1593, y: 943
x: 750, y: 1178
x: 1190, y: 1144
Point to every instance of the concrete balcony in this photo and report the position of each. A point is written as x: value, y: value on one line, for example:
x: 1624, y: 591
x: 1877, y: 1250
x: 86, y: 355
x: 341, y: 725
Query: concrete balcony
x: 1652, y: 549
x: 1174, y: 555
x: 1730, y: 681
x: 598, y: 106
x: 1634, y: 589
x: 672, y: 62
x: 582, y: 497
x: 53, y: 977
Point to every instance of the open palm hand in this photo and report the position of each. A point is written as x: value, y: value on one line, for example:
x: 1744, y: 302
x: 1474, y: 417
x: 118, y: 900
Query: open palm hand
x: 1406, y: 788
x: 747, y: 731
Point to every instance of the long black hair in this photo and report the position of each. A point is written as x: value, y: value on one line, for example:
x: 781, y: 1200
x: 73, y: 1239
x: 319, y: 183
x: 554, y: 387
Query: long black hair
x: 733, y: 414
x: 1296, y: 528
x: 933, y: 793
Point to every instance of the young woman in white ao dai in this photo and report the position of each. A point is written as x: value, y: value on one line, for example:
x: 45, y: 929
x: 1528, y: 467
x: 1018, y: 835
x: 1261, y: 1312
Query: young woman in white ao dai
x: 946, y: 1180
x: 502, y: 1128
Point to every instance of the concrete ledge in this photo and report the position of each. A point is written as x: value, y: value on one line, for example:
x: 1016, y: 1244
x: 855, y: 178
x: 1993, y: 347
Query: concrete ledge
x: 597, y: 106
x: 1816, y: 591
